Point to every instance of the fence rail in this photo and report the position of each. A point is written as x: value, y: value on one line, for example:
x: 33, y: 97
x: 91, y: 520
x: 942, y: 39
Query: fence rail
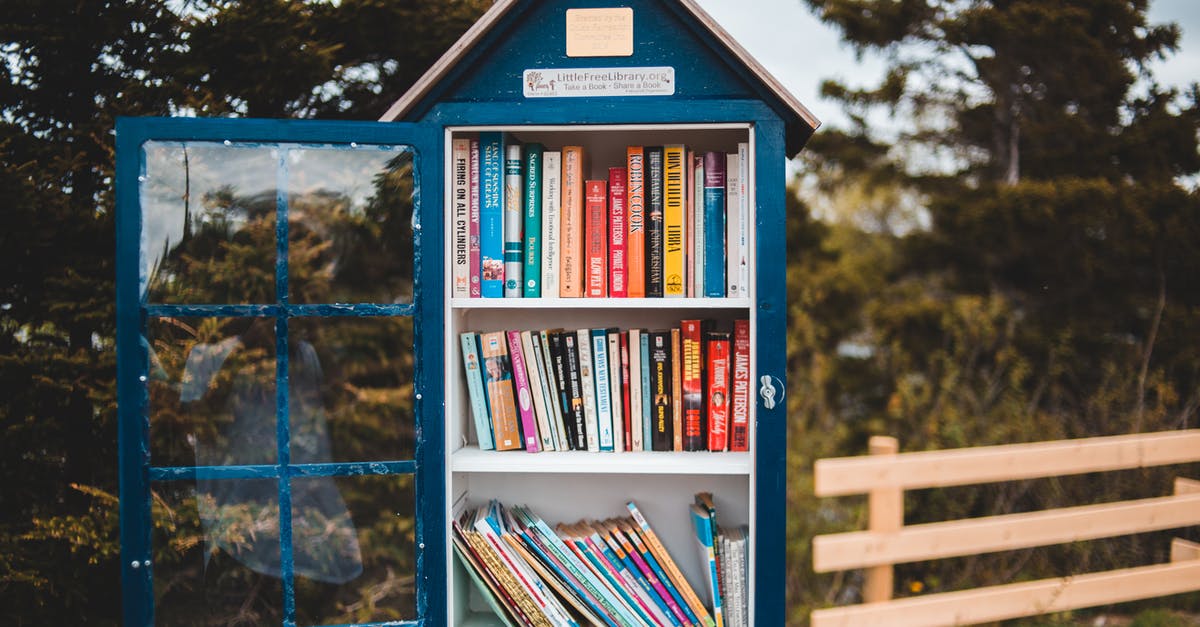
x: 885, y: 474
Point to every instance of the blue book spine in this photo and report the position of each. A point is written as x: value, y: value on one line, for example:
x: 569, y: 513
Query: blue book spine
x: 479, y: 409
x: 647, y: 408
x: 704, y: 537
x: 533, y: 220
x: 491, y: 213
x: 514, y: 222
x: 714, y: 224
x: 604, y: 414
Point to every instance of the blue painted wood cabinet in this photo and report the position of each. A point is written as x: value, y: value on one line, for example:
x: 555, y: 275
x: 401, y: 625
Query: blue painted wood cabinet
x: 294, y: 422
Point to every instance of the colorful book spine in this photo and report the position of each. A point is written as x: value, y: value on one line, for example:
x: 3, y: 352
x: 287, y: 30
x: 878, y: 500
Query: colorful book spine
x: 618, y: 284
x: 705, y: 501
x: 676, y: 390
x: 571, y: 356
x: 732, y: 196
x: 739, y: 404
x: 532, y: 271
x: 743, y: 234
x: 635, y: 240
x: 595, y: 238
x: 613, y: 338
x: 551, y: 221
x: 714, y: 224
x: 635, y: 390
x: 529, y: 431
x: 704, y: 538
x: 626, y: 391
x: 718, y: 391
x: 475, y: 391
x: 662, y: 611
x: 498, y: 382
x: 674, y: 220
x: 571, y: 271
x: 473, y: 243
x: 491, y: 214
x: 660, y: 379
x: 587, y: 379
x: 537, y: 389
x: 652, y: 570
x: 654, y: 222
x: 697, y: 195
x: 603, y: 380
x: 514, y: 221
x: 460, y: 191
x: 697, y: 613
x: 694, y: 436
x: 649, y: 377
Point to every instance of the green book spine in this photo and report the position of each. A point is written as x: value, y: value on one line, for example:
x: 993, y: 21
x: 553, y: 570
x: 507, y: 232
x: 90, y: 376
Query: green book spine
x: 533, y: 220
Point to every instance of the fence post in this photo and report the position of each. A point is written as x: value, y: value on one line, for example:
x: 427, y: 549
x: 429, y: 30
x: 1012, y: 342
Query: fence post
x: 885, y: 508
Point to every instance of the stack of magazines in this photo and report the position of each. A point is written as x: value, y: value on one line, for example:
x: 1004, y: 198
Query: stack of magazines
x: 612, y: 572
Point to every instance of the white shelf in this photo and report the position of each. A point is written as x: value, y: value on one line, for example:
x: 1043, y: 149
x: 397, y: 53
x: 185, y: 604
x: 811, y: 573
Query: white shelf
x: 600, y: 303
x: 471, y: 459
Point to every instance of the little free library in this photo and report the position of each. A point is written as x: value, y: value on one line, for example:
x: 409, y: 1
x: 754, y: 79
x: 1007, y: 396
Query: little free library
x: 510, y: 355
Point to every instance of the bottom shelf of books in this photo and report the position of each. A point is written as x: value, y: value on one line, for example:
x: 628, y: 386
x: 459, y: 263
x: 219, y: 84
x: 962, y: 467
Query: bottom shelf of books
x: 676, y: 560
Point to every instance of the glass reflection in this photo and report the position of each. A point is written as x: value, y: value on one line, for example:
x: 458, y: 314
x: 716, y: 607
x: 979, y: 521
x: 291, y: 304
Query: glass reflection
x: 377, y: 534
x: 208, y: 223
x: 212, y: 391
x: 205, y: 556
x: 352, y: 389
x: 350, y: 225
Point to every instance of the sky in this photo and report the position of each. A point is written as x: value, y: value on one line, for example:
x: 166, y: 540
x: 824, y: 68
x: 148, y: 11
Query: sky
x: 800, y: 51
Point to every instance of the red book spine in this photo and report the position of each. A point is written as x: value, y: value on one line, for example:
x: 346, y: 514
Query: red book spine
x: 624, y: 335
x: 739, y: 405
x: 693, y: 387
x: 595, y: 239
x: 473, y: 242
x: 618, y: 282
x: 718, y: 390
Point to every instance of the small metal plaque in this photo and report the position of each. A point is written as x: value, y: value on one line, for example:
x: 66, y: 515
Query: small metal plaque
x: 600, y: 32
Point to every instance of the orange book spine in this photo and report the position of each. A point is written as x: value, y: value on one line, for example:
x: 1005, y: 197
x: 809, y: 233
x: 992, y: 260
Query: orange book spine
x: 635, y: 202
x: 571, y: 270
x: 595, y: 238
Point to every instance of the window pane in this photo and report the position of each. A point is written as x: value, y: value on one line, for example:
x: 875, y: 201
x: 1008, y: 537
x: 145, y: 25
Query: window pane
x: 355, y: 552
x: 351, y: 383
x: 350, y: 225
x: 208, y: 223
x: 216, y: 553
x: 212, y: 391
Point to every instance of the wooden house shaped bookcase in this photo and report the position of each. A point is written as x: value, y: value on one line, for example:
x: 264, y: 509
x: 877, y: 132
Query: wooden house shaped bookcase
x: 268, y: 278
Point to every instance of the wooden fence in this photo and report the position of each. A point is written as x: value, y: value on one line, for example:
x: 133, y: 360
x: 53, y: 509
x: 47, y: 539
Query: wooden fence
x: 885, y: 474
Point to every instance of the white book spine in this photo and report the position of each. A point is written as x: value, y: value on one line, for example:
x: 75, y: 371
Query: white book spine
x: 635, y: 390
x: 617, y: 391
x: 460, y: 278
x: 732, y: 255
x: 537, y: 390
x: 604, y: 416
x: 590, y: 422
x: 551, y: 221
x: 514, y: 222
x: 744, y: 187
x: 698, y: 212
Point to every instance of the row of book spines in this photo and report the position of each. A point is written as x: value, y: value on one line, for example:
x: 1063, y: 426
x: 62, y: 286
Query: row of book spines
x: 608, y: 390
x: 670, y: 222
x: 614, y: 572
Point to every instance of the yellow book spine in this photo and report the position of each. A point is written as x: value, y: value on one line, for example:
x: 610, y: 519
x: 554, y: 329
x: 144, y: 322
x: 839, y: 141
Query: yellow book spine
x: 674, y: 220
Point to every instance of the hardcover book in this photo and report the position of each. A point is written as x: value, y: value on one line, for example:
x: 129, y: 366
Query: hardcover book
x: 473, y: 207
x: 718, y: 390
x: 618, y: 286
x: 514, y: 221
x: 694, y: 434
x: 532, y: 271
x: 571, y: 259
x: 524, y: 398
x: 636, y: 203
x: 498, y: 382
x: 739, y: 403
x: 475, y: 390
x: 491, y: 214
x: 689, y: 229
x: 714, y: 224
x: 595, y: 238
x: 460, y: 191
x: 551, y: 221
x: 654, y: 222
x: 674, y: 186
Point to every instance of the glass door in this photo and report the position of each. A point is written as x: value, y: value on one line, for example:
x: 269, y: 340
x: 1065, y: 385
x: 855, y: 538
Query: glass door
x: 279, y: 372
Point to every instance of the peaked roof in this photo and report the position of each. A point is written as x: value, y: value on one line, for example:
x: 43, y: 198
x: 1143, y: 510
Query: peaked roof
x: 500, y: 8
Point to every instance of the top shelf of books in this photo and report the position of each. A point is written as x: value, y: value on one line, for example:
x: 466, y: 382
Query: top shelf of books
x: 599, y: 303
